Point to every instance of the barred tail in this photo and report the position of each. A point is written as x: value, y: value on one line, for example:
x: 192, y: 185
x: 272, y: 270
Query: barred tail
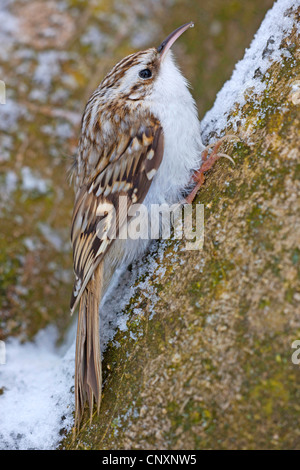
x: 88, y: 373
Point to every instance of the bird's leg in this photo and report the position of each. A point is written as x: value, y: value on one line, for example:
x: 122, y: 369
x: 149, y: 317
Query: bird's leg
x: 208, y: 160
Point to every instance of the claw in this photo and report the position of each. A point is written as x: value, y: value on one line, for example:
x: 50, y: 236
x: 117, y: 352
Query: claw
x: 226, y: 156
x: 208, y: 160
x: 222, y: 139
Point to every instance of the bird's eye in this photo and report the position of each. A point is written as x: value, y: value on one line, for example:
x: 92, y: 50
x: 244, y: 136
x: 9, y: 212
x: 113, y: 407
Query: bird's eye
x: 145, y: 73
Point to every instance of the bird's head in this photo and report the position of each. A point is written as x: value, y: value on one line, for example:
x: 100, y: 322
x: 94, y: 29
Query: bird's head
x: 139, y: 75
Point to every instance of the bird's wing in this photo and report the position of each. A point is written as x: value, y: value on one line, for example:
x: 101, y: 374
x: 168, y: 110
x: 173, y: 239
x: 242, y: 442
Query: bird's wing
x: 99, y: 211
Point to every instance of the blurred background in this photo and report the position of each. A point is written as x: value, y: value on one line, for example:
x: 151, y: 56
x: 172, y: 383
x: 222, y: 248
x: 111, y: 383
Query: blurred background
x: 53, y: 54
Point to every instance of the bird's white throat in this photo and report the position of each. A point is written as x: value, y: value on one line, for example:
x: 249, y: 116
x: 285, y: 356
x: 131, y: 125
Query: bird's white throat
x: 172, y: 103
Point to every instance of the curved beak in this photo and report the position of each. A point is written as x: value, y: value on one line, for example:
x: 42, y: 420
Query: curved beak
x: 169, y: 41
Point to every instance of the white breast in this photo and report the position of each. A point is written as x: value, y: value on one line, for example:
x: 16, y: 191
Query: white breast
x: 172, y: 103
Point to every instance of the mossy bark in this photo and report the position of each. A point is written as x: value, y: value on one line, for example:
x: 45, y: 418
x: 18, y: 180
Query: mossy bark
x: 212, y: 368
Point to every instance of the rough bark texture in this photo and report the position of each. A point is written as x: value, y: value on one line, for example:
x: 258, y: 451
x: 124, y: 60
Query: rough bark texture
x: 212, y: 368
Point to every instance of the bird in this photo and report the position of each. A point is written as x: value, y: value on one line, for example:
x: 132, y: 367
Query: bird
x: 140, y: 143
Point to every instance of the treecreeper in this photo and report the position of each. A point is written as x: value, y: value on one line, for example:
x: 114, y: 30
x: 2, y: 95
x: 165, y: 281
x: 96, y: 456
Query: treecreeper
x: 140, y: 142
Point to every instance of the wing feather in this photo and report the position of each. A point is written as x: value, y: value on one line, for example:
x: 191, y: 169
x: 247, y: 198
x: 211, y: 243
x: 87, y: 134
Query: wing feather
x: 97, y: 215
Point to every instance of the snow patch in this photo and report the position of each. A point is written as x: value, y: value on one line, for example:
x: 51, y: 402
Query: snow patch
x: 33, y: 182
x: 37, y: 401
x: 263, y: 51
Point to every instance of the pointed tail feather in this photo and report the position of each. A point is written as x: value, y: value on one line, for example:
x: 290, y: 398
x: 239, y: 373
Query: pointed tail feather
x: 88, y: 374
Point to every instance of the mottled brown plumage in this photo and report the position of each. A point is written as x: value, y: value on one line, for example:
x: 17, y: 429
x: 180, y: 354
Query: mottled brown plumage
x: 123, y: 169
x: 120, y: 151
x: 117, y: 156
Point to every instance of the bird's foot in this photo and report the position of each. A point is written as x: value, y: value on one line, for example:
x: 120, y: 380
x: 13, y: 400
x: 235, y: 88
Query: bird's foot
x: 208, y: 161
